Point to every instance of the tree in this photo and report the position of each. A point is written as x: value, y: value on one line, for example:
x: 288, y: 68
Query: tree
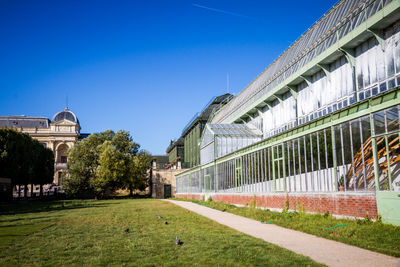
x: 138, y: 178
x: 83, y: 161
x: 101, y: 163
x: 43, y: 167
x: 24, y: 159
x: 112, y: 169
x: 12, y: 156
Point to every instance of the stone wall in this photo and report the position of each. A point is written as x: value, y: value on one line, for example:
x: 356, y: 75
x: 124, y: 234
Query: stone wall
x: 345, y: 204
x: 161, y: 177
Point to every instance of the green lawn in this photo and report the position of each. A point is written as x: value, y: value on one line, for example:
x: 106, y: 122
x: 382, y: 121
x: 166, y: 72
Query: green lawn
x: 80, y: 233
x: 376, y: 236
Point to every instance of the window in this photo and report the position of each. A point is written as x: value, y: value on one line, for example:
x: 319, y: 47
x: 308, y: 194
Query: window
x: 63, y: 159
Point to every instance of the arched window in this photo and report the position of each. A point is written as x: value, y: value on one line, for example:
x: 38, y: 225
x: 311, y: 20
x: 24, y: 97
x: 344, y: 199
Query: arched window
x: 62, y: 153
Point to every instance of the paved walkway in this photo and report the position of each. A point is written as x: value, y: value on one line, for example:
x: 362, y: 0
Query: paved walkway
x: 322, y: 250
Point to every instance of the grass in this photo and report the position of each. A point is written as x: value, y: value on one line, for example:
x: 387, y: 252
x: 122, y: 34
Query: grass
x: 88, y: 232
x: 376, y: 236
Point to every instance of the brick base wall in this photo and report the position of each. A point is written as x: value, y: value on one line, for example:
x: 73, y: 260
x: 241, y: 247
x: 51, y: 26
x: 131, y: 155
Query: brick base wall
x: 346, y: 204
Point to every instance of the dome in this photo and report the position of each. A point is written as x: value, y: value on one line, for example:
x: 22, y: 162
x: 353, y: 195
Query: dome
x: 66, y: 114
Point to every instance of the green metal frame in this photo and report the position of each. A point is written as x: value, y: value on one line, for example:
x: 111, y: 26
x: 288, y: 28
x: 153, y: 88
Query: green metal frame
x: 360, y: 109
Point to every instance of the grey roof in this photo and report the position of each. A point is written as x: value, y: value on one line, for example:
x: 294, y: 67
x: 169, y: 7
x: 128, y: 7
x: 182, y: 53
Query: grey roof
x: 161, y: 161
x: 83, y: 135
x: 179, y: 142
x: 213, y: 105
x: 234, y: 130
x: 24, y: 121
x: 66, y: 114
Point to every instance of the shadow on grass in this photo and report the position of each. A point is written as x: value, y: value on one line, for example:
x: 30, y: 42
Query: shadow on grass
x: 15, y: 225
x: 11, y: 232
x: 25, y: 218
x: 45, y: 206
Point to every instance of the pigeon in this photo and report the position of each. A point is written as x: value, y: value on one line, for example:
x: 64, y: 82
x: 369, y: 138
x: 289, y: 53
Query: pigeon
x: 178, y: 242
x: 159, y: 216
x: 126, y: 230
x: 165, y: 222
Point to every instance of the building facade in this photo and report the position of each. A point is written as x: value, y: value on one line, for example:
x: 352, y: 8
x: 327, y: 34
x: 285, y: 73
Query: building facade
x: 59, y: 134
x: 193, y: 131
x: 163, y: 184
x: 176, y: 151
x: 328, y: 113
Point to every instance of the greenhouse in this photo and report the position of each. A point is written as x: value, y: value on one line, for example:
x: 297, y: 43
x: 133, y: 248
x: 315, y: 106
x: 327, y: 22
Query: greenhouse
x: 221, y: 139
x: 327, y: 111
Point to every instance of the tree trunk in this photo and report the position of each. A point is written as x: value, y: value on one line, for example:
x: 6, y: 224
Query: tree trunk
x: 130, y: 191
x: 41, y: 190
x: 31, y: 190
x: 19, y: 191
x: 25, y: 190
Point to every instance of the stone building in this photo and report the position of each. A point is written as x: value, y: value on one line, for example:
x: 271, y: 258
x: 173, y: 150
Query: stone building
x: 163, y: 179
x: 58, y: 134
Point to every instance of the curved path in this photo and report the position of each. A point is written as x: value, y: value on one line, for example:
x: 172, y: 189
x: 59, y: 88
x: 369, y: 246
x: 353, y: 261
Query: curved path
x: 329, y: 252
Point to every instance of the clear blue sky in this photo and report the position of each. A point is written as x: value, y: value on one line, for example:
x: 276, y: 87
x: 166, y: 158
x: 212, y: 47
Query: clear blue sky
x: 143, y: 66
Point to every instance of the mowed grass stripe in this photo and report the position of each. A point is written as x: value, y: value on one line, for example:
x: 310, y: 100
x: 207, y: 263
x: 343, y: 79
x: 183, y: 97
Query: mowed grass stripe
x: 92, y: 233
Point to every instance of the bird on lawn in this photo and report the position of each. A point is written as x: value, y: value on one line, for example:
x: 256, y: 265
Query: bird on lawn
x: 159, y: 216
x: 165, y: 222
x: 126, y: 230
x: 178, y: 242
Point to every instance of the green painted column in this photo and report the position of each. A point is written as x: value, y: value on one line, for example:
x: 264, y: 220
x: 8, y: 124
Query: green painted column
x: 374, y: 154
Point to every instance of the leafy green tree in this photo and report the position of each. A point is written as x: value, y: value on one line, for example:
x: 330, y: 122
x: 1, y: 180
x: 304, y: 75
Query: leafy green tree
x: 43, y: 167
x: 83, y: 160
x: 101, y: 163
x: 138, y: 178
x: 112, y: 169
x: 24, y: 159
x: 123, y: 142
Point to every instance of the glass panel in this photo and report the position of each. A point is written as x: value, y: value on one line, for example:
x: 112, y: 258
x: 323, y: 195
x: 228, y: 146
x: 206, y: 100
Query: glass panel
x: 302, y: 162
x: 392, y: 118
x: 379, y: 122
x: 338, y: 145
x: 369, y: 180
x: 296, y: 156
x: 315, y: 152
x: 357, y: 170
x: 269, y: 164
x: 288, y: 160
x: 308, y: 152
x: 368, y: 93
x: 382, y: 161
x: 329, y: 147
x: 391, y: 83
x: 347, y: 152
x: 339, y: 155
x: 316, y: 161
x: 382, y: 87
x: 394, y: 156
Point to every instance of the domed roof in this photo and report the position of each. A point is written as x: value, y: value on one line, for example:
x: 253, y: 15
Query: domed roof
x: 66, y: 114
